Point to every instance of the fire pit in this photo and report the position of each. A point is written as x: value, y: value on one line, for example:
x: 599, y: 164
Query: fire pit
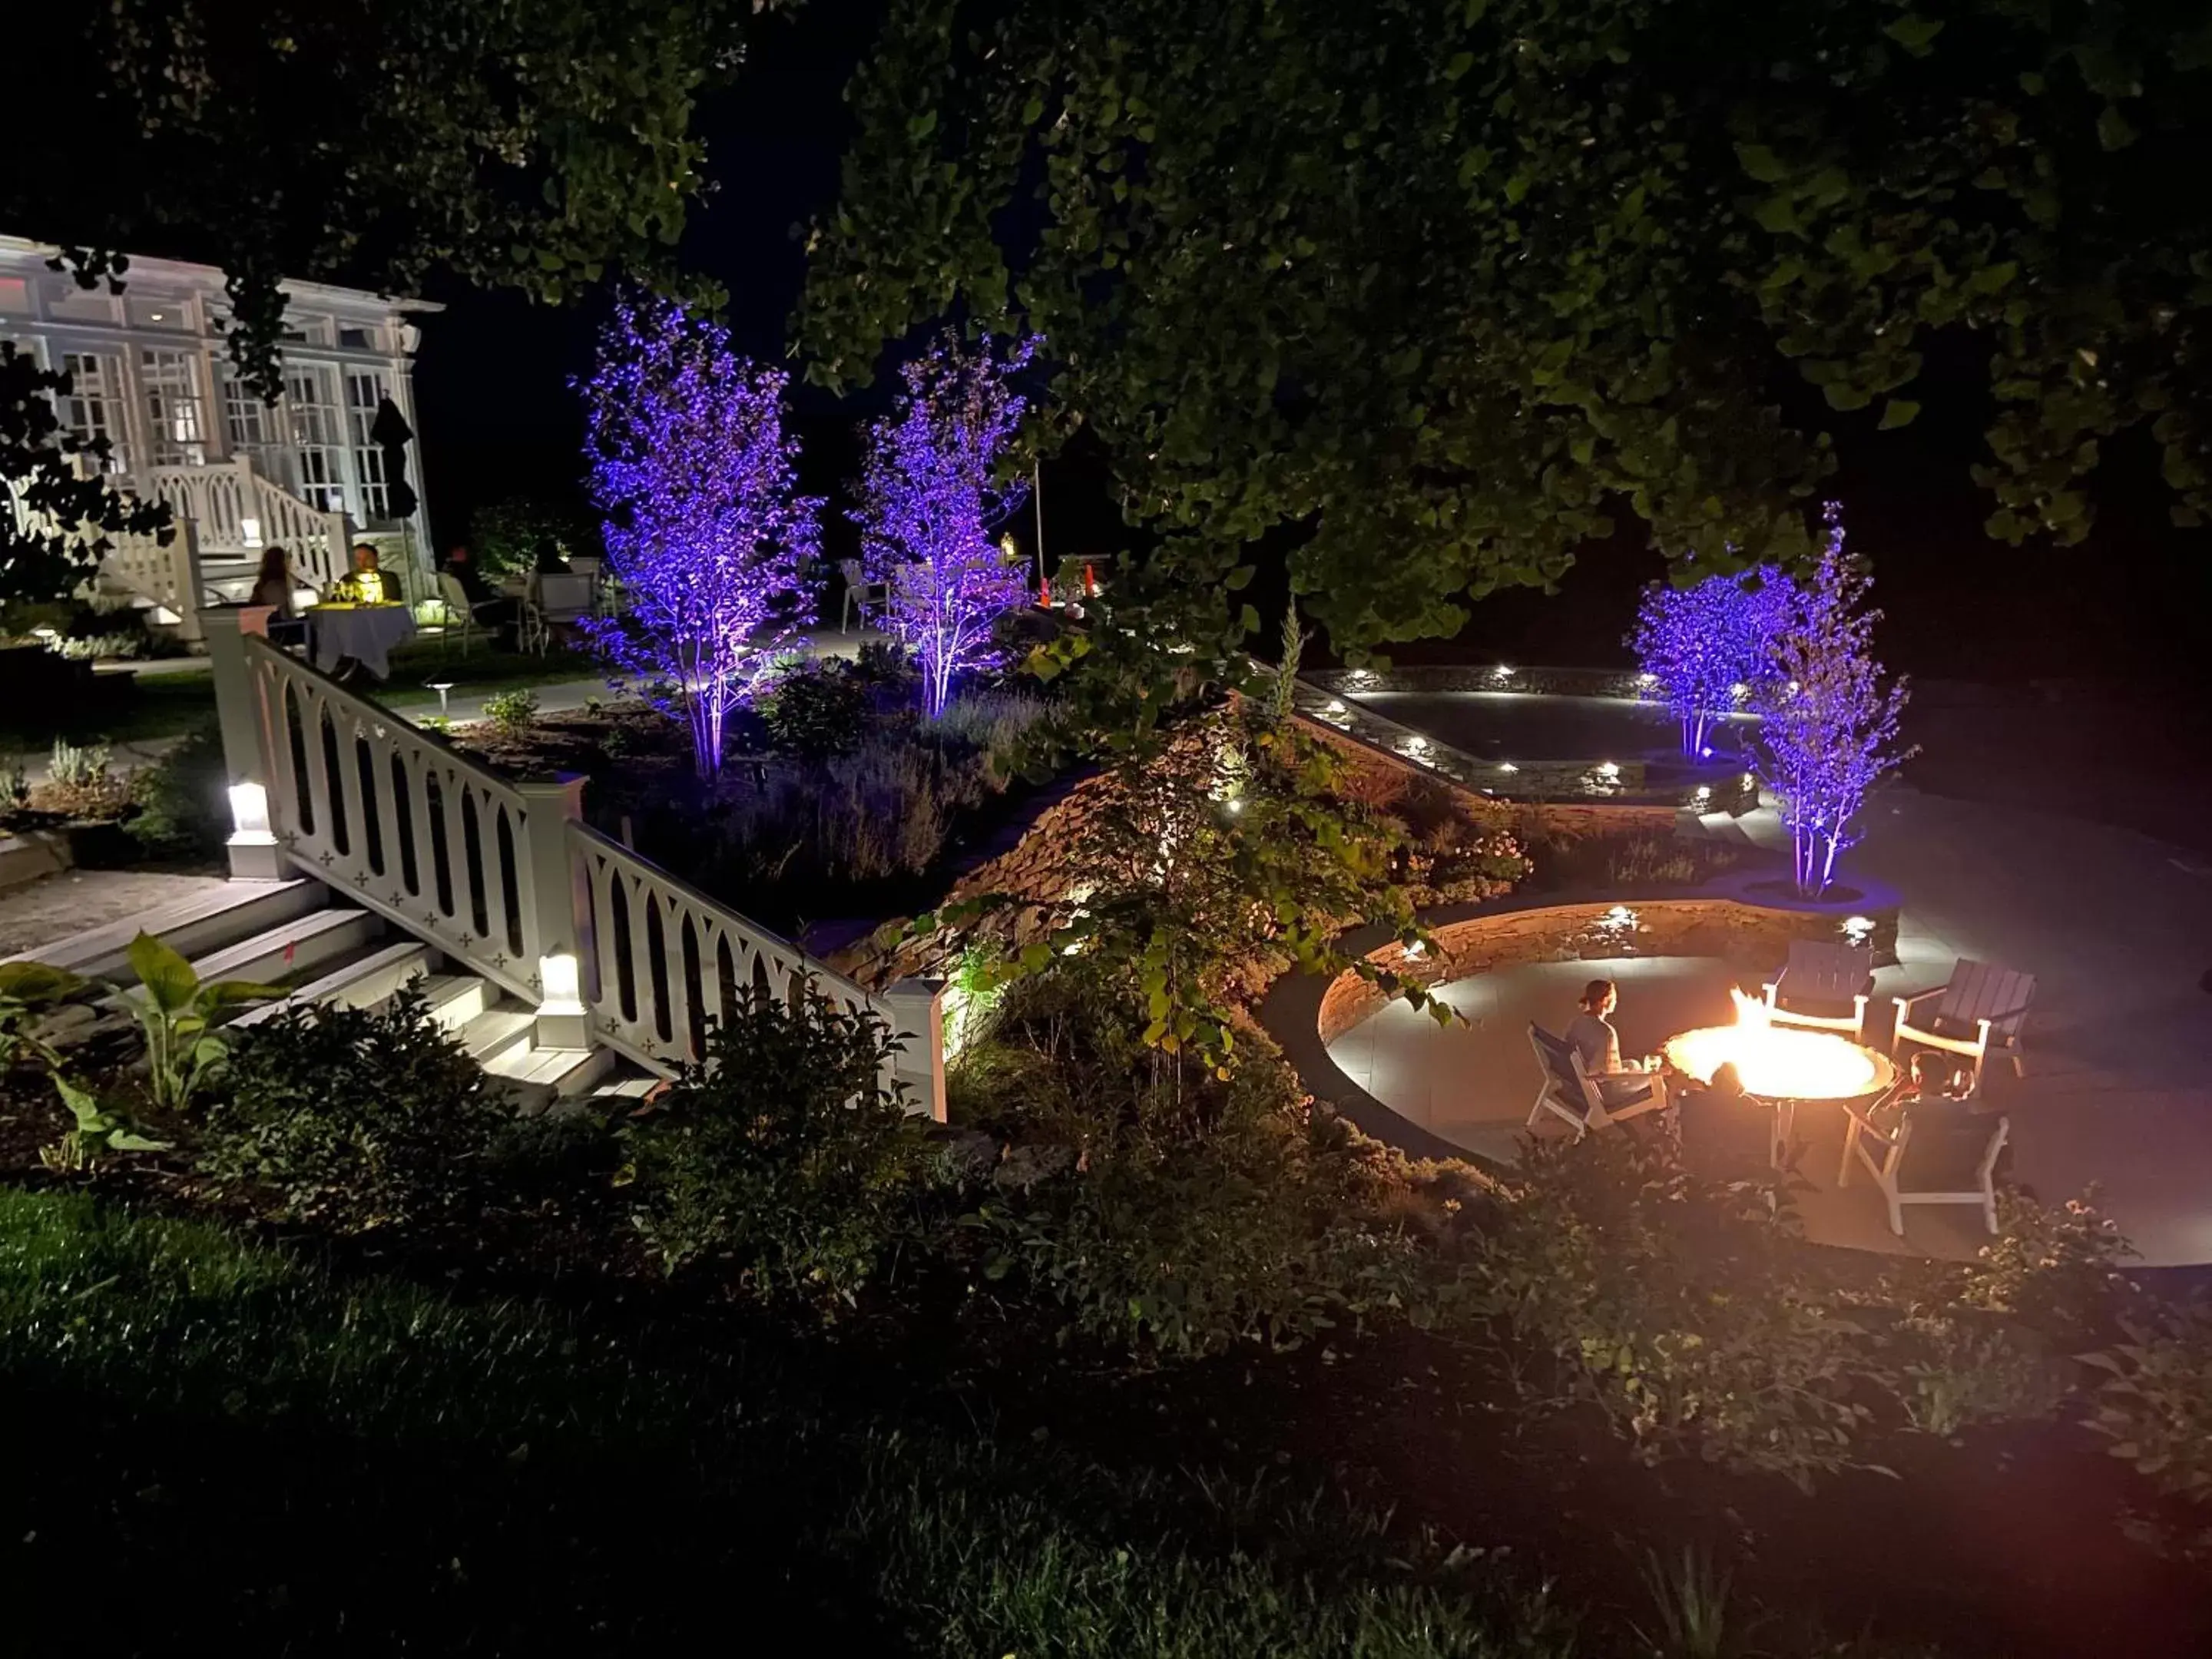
x: 1779, y: 1063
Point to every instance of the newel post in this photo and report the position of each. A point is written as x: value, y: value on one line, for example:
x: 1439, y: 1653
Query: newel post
x: 254, y: 855
x: 554, y: 877
x: 915, y: 1010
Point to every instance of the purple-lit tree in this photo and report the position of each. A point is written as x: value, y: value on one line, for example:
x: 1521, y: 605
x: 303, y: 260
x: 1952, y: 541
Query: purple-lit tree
x: 930, y: 495
x: 1831, y: 727
x: 706, y: 532
x: 1708, y: 649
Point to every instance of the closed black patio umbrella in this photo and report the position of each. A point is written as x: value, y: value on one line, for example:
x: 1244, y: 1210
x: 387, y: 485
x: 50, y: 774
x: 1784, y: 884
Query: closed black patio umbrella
x: 390, y: 434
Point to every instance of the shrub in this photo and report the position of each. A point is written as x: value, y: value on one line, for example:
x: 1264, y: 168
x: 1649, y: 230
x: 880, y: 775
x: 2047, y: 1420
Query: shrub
x: 183, y: 811
x: 786, y: 1156
x: 1183, y: 1219
x: 75, y: 767
x: 2155, y: 1404
x: 355, y: 1118
x: 818, y: 711
x: 512, y: 712
x: 1682, y: 1309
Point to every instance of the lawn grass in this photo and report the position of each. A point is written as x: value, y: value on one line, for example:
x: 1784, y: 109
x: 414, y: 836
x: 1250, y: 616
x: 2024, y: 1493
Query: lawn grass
x: 230, y: 1441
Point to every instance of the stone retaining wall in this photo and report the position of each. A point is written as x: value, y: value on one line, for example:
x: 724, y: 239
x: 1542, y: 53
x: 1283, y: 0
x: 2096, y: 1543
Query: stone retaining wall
x: 1753, y: 937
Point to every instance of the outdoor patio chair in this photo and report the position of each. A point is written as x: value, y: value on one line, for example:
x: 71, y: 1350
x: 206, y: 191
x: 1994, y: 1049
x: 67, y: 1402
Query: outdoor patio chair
x: 1823, y: 986
x: 1570, y: 1092
x: 1979, y: 1013
x: 559, y: 600
x: 868, y: 596
x: 1940, y: 1153
x: 461, y: 613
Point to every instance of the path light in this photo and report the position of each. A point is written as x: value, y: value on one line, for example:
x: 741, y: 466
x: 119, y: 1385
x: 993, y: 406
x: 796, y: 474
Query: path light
x: 249, y: 814
x: 1739, y: 691
x: 1359, y: 678
x: 1703, y: 793
x: 252, y: 844
x: 1608, y: 771
x: 561, y: 1004
x: 1646, y: 681
x: 1507, y: 766
x: 1418, y: 951
x: 1858, y: 930
x: 1336, y: 710
x: 442, y: 688
x: 1501, y: 673
x: 1751, y: 780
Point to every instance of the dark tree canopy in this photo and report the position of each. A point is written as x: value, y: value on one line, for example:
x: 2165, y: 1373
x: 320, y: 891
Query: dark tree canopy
x: 1442, y: 286
x: 519, y: 143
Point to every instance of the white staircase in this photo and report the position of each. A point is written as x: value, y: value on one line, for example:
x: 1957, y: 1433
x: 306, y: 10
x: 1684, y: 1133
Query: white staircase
x: 300, y: 934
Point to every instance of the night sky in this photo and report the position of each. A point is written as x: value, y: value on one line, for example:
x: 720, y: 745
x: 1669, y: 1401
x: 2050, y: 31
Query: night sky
x: 2134, y: 605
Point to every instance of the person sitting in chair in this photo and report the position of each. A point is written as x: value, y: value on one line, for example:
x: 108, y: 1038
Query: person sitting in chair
x: 1590, y: 1034
x: 273, y: 586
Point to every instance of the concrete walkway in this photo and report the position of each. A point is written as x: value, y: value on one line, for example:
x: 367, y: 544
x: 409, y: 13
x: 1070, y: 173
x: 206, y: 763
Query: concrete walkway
x: 2116, y: 926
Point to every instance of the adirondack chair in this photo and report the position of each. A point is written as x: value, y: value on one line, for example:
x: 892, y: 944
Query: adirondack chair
x: 1939, y: 1153
x: 1570, y: 1092
x: 1979, y: 1013
x: 1824, y: 986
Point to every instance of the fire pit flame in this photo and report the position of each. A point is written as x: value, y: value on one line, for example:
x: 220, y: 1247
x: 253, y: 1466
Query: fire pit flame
x: 1776, y: 1062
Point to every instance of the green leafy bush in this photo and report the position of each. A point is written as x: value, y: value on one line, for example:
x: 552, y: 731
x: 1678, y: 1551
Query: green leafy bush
x: 183, y: 809
x: 819, y: 710
x: 2155, y: 1404
x: 785, y: 1156
x: 1684, y: 1309
x: 1182, y: 1217
x: 355, y: 1118
x: 512, y: 712
x: 181, y: 1016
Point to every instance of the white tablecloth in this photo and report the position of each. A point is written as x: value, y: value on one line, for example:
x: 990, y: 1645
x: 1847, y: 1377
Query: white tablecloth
x: 365, y: 633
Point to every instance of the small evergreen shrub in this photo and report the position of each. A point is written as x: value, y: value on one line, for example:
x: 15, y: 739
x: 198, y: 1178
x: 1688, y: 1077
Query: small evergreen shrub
x: 785, y: 1159
x: 818, y: 711
x: 512, y: 712
x: 355, y: 1118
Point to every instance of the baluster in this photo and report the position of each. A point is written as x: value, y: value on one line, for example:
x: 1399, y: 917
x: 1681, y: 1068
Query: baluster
x: 497, y: 849
x: 311, y: 707
x: 387, y: 811
x: 607, y: 1003
x: 430, y: 836
x: 349, y: 788
x: 278, y: 701
x: 672, y: 913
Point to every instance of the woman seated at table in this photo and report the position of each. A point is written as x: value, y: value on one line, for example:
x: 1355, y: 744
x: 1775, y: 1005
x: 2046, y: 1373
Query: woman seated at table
x: 1590, y: 1034
x: 273, y: 586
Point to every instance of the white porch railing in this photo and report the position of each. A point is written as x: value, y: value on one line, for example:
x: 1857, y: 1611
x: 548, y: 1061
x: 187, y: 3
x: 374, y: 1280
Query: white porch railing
x: 503, y: 876
x: 169, y: 575
x: 237, y: 511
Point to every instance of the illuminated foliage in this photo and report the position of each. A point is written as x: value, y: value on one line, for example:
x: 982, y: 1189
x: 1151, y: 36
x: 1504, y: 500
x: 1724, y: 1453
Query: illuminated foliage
x: 1831, y: 727
x: 1708, y: 649
x: 705, y: 530
x: 931, y: 495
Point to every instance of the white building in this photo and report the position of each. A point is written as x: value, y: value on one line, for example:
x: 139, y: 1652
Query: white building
x: 151, y: 373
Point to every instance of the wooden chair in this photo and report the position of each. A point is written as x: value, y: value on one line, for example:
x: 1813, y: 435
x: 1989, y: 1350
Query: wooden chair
x: 1819, y: 983
x: 1570, y: 1093
x: 1978, y: 1013
x: 1939, y: 1153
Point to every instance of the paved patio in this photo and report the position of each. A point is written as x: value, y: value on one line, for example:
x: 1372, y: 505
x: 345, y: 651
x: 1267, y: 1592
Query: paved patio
x: 2116, y: 926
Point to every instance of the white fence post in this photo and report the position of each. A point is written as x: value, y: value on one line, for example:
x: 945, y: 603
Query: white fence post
x: 916, y: 1009
x: 252, y: 846
x: 558, y: 906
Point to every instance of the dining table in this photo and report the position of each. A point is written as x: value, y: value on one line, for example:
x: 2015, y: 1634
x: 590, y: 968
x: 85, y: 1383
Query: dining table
x: 365, y: 633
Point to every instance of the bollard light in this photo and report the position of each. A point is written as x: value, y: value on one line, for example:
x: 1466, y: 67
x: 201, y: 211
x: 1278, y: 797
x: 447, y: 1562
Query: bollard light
x: 249, y: 814
x: 563, y: 983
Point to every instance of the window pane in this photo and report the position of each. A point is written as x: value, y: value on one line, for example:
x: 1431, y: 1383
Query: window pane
x: 365, y: 390
x: 170, y: 382
x: 95, y: 378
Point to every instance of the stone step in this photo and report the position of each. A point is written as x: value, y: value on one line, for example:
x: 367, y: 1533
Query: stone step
x: 194, y: 927
x: 454, y: 1000
x: 496, y: 1033
x: 362, y: 981
x: 563, y: 1072
x: 293, y: 948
